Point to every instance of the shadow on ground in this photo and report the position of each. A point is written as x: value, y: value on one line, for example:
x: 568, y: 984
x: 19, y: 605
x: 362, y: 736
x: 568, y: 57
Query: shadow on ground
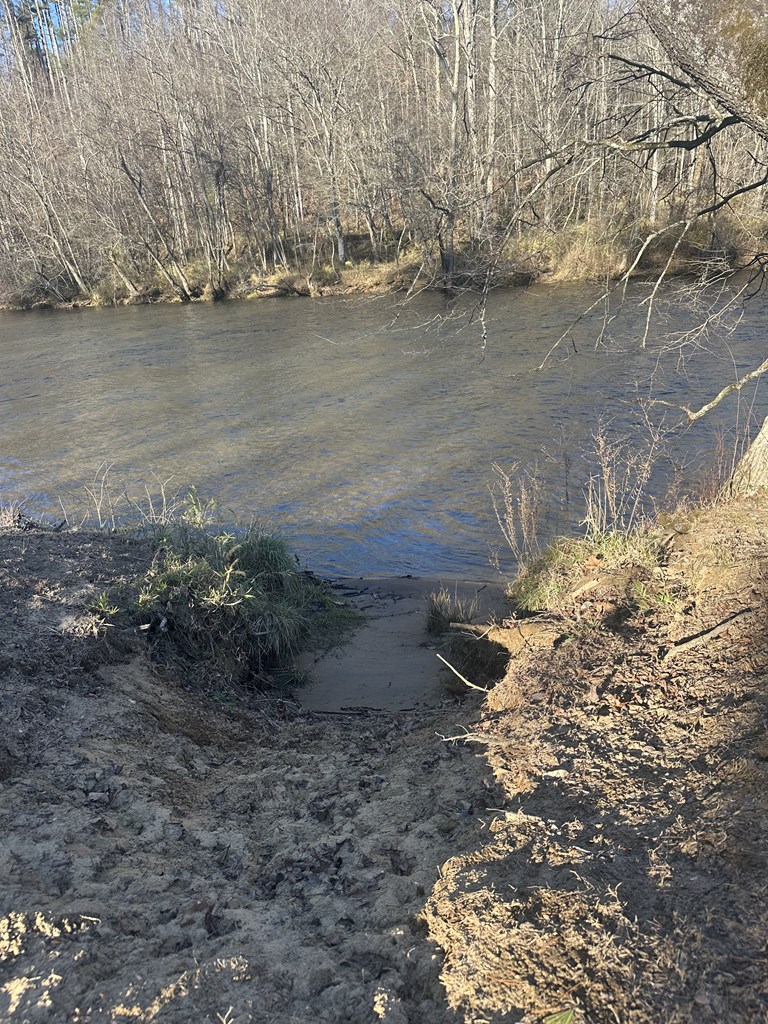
x: 625, y: 876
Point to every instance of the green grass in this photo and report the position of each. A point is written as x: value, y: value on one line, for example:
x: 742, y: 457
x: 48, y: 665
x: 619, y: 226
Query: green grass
x: 544, y: 580
x: 235, y: 605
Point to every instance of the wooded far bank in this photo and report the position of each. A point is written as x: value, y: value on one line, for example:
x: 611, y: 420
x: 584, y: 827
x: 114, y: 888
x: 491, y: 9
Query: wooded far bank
x: 191, y: 149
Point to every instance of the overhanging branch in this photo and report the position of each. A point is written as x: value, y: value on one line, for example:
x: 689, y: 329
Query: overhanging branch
x: 737, y: 385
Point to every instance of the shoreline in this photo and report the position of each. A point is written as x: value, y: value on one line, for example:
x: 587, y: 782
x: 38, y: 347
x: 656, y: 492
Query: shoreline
x: 596, y: 809
x: 392, y: 662
x: 391, y: 277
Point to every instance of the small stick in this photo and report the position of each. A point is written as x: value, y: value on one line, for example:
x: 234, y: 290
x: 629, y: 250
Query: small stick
x: 704, y: 635
x: 480, y: 632
x: 456, y: 672
x: 469, y: 737
x: 585, y: 588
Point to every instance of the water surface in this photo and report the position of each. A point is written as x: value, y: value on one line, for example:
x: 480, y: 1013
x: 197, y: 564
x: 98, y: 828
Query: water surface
x: 367, y: 438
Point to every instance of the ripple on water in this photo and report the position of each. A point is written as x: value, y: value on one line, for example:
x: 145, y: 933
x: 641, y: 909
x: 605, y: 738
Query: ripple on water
x: 370, y: 444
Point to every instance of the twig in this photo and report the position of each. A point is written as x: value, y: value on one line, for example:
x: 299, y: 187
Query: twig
x: 704, y: 635
x: 360, y: 711
x: 583, y: 589
x: 456, y: 672
x: 469, y: 737
x: 479, y: 632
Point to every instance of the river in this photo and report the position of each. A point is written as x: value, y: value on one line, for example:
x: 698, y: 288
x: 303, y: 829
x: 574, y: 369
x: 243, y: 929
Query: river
x: 366, y: 433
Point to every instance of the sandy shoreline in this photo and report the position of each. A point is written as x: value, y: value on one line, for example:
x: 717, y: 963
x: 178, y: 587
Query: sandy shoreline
x: 588, y: 839
x: 169, y: 856
x: 390, y: 663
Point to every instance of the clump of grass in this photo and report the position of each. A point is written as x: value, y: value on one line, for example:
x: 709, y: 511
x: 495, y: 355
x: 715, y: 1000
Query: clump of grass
x: 443, y: 608
x: 545, y: 580
x: 13, y: 516
x: 616, y: 536
x: 103, y: 606
x: 235, y: 604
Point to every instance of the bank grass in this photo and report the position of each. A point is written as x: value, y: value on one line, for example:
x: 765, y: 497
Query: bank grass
x: 444, y: 607
x: 229, y: 603
x: 618, y: 534
x: 236, y: 604
x: 356, y: 276
x: 545, y: 580
x: 603, y: 250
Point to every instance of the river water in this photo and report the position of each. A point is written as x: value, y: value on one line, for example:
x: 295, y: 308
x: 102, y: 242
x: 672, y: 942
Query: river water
x: 366, y: 433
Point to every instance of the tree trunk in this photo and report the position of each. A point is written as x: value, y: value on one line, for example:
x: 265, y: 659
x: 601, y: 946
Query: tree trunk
x: 720, y: 47
x: 751, y: 474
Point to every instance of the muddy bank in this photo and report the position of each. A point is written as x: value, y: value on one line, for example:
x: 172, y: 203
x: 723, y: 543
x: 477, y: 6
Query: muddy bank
x: 590, y: 840
x: 624, y: 877
x: 170, y: 857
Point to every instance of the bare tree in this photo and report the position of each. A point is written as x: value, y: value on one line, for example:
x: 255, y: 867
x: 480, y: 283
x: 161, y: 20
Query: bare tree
x: 723, y: 49
x: 185, y: 148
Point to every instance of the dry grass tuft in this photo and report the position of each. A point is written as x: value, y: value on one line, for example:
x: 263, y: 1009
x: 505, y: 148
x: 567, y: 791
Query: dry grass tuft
x: 443, y: 608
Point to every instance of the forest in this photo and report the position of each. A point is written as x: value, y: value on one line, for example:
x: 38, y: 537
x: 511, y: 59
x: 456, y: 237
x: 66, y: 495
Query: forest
x: 200, y: 148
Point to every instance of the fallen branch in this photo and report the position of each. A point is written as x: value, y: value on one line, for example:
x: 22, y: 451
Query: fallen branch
x: 737, y: 385
x: 583, y: 589
x: 688, y: 643
x: 456, y: 672
x: 479, y: 632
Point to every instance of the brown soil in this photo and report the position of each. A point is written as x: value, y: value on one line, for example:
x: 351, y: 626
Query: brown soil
x: 171, y: 856
x: 624, y: 875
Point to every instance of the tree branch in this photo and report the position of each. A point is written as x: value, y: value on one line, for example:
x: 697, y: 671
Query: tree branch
x: 729, y: 389
x: 638, y: 145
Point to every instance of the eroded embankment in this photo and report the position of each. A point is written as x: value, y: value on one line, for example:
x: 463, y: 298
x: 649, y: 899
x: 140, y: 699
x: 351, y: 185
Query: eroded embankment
x: 624, y: 880
x: 165, y: 857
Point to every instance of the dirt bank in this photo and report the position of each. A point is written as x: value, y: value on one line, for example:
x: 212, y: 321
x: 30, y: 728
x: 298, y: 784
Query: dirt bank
x: 598, y: 846
x: 167, y: 857
x: 624, y: 877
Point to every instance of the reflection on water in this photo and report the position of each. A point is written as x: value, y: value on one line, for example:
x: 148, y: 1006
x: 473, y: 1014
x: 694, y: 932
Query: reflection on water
x: 369, y: 441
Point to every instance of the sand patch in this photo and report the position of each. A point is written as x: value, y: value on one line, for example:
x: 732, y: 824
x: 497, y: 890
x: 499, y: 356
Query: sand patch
x: 171, y: 857
x: 390, y: 663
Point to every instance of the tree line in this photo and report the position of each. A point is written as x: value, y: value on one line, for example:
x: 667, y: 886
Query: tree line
x: 201, y: 147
